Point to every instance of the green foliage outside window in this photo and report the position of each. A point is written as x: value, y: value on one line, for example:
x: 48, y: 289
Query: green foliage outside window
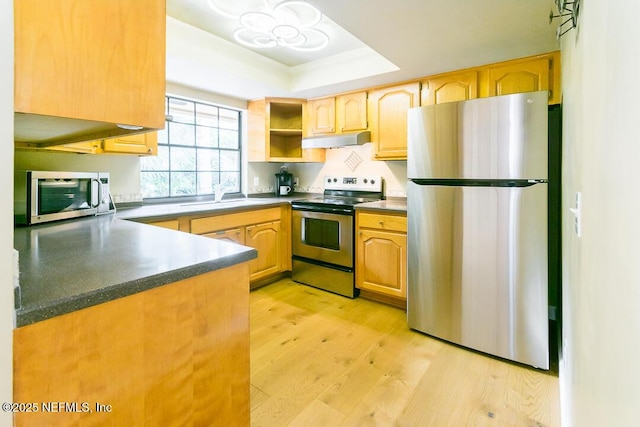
x: 198, y: 149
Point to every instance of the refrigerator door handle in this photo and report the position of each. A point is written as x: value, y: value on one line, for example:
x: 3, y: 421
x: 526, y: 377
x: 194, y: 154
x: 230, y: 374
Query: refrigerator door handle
x: 479, y: 182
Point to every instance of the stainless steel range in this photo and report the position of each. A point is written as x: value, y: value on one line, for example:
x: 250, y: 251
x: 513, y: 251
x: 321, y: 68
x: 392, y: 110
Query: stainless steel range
x: 323, y: 233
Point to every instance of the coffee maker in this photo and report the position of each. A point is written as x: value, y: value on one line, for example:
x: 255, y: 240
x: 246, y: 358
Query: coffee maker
x: 284, y: 183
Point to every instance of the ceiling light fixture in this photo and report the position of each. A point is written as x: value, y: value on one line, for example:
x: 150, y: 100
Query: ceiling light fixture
x: 288, y: 23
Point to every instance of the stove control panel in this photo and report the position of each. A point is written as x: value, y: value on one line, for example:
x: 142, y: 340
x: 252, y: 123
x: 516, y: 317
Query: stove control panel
x: 353, y: 182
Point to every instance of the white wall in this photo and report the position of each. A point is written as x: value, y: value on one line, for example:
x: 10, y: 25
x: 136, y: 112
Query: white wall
x: 124, y: 169
x: 6, y: 213
x: 599, y: 371
x: 182, y: 91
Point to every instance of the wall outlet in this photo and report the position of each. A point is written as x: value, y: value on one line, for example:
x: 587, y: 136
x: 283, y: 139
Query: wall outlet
x: 256, y: 181
x: 296, y: 181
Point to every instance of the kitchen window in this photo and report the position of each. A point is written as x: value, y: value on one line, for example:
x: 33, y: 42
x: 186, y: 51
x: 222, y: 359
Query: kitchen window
x: 198, y: 149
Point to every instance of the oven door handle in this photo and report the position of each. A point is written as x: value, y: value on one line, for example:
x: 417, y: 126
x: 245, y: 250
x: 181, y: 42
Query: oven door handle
x: 323, y: 209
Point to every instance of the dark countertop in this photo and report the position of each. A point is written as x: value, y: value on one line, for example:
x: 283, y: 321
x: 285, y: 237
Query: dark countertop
x: 69, y: 265
x: 396, y: 205
x: 162, y: 211
x: 172, y: 210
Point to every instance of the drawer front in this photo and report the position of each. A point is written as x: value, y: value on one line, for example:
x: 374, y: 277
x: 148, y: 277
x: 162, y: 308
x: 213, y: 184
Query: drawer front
x: 222, y: 222
x: 382, y: 221
x: 170, y: 224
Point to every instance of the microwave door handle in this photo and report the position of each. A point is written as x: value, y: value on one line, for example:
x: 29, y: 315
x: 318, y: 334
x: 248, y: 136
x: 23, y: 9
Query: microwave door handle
x: 97, y: 194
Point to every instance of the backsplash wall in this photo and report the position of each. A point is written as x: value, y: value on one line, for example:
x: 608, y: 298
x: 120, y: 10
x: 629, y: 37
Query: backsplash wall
x: 258, y: 177
x: 354, y: 160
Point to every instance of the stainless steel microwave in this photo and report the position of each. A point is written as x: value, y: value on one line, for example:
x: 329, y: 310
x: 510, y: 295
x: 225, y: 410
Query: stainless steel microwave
x: 43, y: 196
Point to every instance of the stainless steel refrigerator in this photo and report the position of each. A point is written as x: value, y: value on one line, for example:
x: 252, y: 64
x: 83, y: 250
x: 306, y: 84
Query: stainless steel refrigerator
x: 477, y: 225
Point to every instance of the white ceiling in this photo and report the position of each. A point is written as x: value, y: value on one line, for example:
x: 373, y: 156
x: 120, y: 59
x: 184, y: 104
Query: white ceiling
x: 380, y: 42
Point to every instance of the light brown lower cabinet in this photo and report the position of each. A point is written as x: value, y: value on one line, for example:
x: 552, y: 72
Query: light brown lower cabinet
x: 234, y: 235
x: 381, y: 257
x: 171, y: 224
x: 266, y: 238
x: 143, y: 144
x: 266, y: 230
x: 174, y: 355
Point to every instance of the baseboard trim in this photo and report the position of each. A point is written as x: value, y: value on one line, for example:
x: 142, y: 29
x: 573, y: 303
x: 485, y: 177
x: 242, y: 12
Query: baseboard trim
x: 385, y: 299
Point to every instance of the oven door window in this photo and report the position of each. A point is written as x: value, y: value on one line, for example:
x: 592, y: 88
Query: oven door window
x: 323, y: 237
x: 322, y: 233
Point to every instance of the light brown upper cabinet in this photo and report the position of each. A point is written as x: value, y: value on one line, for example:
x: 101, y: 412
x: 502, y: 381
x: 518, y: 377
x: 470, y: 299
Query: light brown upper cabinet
x: 388, y: 119
x: 141, y: 143
x: 339, y: 114
x: 322, y: 116
x: 275, y: 131
x: 540, y: 72
x: 351, y: 112
x: 89, y: 147
x: 459, y: 86
x: 83, y: 67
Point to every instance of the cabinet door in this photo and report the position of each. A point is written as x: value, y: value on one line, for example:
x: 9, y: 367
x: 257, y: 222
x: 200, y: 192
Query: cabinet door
x: 381, y: 259
x: 351, y: 112
x: 100, y: 60
x: 322, y: 115
x: 450, y: 87
x: 234, y: 235
x: 265, y: 238
x: 171, y: 224
x: 389, y: 119
x: 142, y: 143
x: 519, y: 76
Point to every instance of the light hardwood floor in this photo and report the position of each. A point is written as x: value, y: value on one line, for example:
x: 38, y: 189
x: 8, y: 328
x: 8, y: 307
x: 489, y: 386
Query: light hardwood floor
x: 319, y: 359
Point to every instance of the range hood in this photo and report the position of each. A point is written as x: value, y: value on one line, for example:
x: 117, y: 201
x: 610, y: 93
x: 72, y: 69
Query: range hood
x: 334, y: 141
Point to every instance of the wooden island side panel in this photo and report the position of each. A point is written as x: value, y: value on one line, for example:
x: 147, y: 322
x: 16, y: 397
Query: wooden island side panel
x: 173, y: 355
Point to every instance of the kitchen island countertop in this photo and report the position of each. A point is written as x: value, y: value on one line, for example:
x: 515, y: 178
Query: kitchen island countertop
x: 69, y: 265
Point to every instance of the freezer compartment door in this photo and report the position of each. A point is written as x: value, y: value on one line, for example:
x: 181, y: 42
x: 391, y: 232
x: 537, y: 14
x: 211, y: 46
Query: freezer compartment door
x: 477, y: 268
x: 501, y: 137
